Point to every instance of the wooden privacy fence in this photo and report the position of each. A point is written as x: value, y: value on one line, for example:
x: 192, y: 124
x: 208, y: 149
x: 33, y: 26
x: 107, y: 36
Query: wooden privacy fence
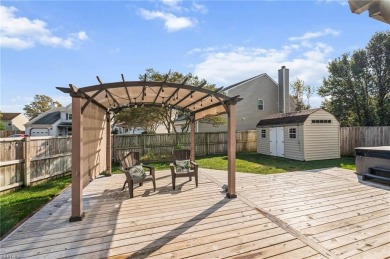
x: 7, y: 133
x: 27, y: 160
x: 351, y: 137
x: 160, y: 146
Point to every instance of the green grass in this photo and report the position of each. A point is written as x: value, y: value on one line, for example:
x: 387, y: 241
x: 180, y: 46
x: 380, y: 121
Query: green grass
x: 20, y: 204
x: 251, y: 162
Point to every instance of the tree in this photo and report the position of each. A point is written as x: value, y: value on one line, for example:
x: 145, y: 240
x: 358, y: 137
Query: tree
x: 147, y: 118
x: 378, y: 59
x: 165, y: 115
x: 40, y: 104
x: 299, y: 91
x: 2, y: 127
x: 358, y: 84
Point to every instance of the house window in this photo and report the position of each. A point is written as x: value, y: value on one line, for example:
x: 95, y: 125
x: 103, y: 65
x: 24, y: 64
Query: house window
x: 263, y: 133
x: 292, y: 132
x: 70, y: 116
x: 260, y: 105
x: 321, y: 121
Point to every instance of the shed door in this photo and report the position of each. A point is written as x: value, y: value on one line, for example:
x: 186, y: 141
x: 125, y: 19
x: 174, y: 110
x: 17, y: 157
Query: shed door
x: 276, y: 136
x: 280, y: 141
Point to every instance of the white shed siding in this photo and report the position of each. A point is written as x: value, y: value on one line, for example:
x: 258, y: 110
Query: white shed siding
x: 294, y: 148
x: 263, y: 145
x: 321, y: 139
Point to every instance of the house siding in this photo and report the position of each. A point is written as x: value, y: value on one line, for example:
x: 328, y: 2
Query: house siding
x: 247, y: 113
x: 294, y: 148
x: 263, y: 144
x: 322, y: 140
x: 18, y: 122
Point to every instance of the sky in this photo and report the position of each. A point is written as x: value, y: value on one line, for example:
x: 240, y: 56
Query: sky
x: 45, y: 44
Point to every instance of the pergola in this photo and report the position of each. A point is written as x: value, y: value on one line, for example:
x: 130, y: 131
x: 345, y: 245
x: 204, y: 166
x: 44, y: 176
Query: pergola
x: 91, y: 114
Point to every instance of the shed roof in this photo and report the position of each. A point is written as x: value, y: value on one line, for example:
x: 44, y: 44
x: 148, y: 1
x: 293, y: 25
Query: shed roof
x: 7, y: 116
x: 49, y: 118
x: 287, y: 118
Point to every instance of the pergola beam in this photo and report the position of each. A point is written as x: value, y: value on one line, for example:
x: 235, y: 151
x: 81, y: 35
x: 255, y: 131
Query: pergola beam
x: 152, y: 84
x: 195, y: 102
x: 124, y: 85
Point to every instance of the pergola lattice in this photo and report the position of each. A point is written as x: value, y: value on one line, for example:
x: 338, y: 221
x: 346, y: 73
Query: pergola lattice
x: 91, y: 114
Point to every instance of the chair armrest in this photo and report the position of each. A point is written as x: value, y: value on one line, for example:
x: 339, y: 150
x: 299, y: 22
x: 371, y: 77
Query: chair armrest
x: 194, y: 163
x: 150, y: 167
x: 172, y: 166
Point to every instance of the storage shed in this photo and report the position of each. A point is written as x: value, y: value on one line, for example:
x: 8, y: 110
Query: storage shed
x: 304, y: 135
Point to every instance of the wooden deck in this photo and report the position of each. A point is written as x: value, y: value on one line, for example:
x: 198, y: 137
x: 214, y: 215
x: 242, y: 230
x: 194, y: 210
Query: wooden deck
x: 323, y: 214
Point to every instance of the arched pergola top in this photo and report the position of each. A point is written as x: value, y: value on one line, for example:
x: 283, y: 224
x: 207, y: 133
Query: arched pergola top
x: 115, y: 96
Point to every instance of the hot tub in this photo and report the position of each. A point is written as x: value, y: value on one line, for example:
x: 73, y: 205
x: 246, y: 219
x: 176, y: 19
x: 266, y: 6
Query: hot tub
x: 373, y: 161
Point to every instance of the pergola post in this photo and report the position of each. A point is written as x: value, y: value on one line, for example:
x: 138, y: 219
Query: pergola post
x: 231, y: 193
x: 192, y: 136
x: 77, y: 160
x: 108, y: 144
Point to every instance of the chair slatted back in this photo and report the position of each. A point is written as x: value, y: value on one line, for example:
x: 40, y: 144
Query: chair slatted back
x: 128, y: 159
x: 182, y: 154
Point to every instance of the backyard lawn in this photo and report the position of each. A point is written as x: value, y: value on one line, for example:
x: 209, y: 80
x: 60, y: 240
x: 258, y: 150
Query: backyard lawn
x: 252, y: 162
x: 20, y: 204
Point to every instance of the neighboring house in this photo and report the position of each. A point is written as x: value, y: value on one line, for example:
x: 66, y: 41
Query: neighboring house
x: 55, y: 122
x: 14, y: 121
x: 121, y: 128
x: 262, y: 96
x: 304, y: 135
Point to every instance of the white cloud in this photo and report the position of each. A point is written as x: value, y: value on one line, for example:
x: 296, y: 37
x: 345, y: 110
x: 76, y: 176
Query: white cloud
x: 227, y: 65
x: 317, y: 34
x: 21, y: 32
x: 199, y: 8
x: 172, y: 22
x: 342, y: 2
x: 171, y: 2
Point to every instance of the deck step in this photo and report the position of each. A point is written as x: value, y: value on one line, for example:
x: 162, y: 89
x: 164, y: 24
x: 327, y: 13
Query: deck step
x: 374, y: 176
x: 379, y: 168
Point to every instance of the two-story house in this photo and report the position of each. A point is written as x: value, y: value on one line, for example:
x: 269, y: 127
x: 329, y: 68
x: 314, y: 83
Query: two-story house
x: 262, y: 96
x: 13, y: 121
x: 55, y: 122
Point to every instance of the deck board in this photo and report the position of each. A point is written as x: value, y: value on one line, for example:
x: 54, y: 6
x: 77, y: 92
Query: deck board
x: 318, y: 214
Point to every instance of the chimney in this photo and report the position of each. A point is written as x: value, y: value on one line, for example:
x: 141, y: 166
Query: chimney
x: 284, y: 85
x: 53, y: 105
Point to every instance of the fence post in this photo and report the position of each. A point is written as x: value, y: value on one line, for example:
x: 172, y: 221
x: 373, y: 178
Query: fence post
x: 207, y: 143
x: 143, y: 144
x: 27, y: 162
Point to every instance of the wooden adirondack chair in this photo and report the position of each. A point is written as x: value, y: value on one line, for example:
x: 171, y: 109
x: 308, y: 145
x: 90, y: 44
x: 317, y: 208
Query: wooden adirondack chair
x: 135, y: 171
x: 182, y: 166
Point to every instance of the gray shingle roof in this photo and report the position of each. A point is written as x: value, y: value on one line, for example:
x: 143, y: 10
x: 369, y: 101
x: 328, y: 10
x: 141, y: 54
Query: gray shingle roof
x: 49, y: 118
x: 286, y: 118
x: 7, y: 116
